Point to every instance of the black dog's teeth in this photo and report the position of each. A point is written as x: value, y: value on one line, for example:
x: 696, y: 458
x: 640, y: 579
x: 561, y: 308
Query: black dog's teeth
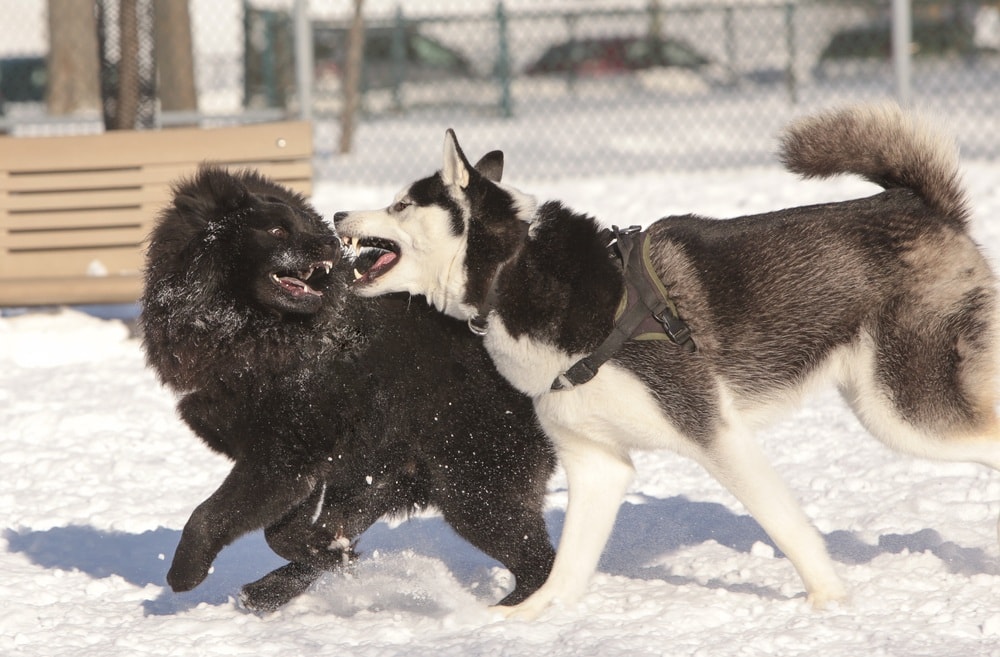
x: 295, y: 281
x: 306, y: 274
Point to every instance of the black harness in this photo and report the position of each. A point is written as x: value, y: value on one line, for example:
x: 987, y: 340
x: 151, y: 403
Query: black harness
x: 645, y: 312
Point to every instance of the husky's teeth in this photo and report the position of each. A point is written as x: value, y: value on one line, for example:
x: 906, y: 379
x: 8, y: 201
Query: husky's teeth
x: 357, y: 274
x: 355, y: 245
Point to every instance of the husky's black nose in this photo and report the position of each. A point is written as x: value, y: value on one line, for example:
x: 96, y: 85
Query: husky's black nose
x: 340, y: 216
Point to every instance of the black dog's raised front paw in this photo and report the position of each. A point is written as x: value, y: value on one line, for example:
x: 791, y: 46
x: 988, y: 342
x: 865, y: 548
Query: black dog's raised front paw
x: 184, y: 576
x: 191, y: 564
x: 278, y: 587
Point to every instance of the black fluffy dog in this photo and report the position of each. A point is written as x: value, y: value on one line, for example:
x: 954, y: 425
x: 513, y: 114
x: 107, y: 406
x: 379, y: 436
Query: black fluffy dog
x: 336, y: 410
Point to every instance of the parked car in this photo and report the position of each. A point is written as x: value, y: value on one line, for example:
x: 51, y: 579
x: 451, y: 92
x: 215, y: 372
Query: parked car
x: 23, y: 79
x: 938, y: 37
x: 615, y: 55
x: 391, y: 56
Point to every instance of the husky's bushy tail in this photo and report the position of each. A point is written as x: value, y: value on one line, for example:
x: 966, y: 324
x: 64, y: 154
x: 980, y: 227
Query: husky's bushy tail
x: 883, y: 144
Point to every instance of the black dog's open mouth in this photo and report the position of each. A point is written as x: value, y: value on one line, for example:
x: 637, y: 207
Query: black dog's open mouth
x: 373, y: 257
x: 297, y: 283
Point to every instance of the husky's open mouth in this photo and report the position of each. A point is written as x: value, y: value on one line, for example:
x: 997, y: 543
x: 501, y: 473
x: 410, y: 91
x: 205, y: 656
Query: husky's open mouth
x: 296, y: 283
x: 373, y: 257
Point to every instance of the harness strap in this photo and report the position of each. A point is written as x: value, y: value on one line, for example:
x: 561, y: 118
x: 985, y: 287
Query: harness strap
x: 645, y: 311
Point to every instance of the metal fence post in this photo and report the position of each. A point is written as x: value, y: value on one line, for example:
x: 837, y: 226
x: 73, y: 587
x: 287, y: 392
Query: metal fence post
x: 730, y: 32
x: 304, y: 56
x: 503, y: 62
x: 902, y: 36
x: 397, y: 54
x: 791, y: 77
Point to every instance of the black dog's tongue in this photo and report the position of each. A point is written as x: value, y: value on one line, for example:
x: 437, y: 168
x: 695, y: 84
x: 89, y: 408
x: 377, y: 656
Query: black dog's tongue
x: 297, y: 287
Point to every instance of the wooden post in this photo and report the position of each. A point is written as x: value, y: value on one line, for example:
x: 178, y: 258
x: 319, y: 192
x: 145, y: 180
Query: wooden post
x: 352, y: 78
x: 127, y: 113
x: 174, y: 56
x: 73, y: 61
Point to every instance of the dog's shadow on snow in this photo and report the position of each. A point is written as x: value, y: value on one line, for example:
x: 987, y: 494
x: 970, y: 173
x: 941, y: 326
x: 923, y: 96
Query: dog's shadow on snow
x: 649, y: 529
x: 644, y: 534
x: 143, y: 560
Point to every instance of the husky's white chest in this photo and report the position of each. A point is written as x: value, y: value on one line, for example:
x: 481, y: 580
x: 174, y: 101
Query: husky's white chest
x: 530, y: 365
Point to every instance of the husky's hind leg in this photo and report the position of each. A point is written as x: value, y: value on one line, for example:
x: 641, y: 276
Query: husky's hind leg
x: 923, y: 382
x: 979, y: 444
x: 737, y: 462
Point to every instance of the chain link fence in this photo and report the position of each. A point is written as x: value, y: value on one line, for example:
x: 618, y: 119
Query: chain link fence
x: 581, y: 87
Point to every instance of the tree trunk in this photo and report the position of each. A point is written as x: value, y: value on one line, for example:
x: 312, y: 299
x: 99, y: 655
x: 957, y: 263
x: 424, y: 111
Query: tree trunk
x: 352, y: 78
x: 74, y: 63
x: 174, y: 56
x: 128, y: 66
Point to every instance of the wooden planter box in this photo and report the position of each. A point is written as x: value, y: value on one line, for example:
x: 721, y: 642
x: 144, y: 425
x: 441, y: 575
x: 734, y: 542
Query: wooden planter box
x: 75, y: 211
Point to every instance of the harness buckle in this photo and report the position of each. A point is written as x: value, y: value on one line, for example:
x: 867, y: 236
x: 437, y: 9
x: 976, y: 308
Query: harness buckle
x: 676, y: 329
x: 581, y: 372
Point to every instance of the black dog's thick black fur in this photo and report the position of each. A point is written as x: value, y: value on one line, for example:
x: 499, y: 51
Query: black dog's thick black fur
x: 336, y: 410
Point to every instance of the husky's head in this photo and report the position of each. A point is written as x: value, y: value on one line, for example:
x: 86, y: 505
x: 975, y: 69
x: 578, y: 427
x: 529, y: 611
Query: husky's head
x: 443, y: 236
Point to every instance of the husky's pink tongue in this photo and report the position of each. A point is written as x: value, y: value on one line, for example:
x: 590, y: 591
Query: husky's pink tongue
x: 383, y: 261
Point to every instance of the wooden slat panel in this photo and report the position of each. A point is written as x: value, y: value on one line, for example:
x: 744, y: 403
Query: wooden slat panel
x: 93, y: 191
x: 71, y: 180
x: 152, y: 173
x: 61, y: 239
x: 262, y: 142
x: 28, y: 267
x: 74, y: 218
x: 83, y: 200
x: 113, y: 289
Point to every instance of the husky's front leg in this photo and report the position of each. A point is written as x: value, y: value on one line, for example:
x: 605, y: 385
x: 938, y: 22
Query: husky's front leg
x: 598, y: 476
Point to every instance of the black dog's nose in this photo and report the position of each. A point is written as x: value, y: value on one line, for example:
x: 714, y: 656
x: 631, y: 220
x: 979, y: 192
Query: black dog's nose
x: 340, y: 216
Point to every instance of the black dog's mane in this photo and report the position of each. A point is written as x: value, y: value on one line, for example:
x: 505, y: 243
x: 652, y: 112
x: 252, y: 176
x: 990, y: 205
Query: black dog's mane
x: 211, y: 333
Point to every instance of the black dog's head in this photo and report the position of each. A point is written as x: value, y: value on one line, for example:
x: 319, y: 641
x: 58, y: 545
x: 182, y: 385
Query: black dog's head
x: 240, y: 271
x: 240, y: 238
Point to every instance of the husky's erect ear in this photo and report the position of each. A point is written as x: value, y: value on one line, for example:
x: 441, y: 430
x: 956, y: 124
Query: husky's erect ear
x: 456, y: 168
x: 490, y: 166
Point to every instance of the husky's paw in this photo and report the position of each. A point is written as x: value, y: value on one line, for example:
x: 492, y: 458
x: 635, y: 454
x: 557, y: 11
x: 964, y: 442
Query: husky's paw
x: 520, y: 612
x: 828, y: 598
x: 529, y: 610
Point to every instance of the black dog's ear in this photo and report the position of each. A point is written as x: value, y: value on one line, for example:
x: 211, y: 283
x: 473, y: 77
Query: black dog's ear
x: 490, y: 166
x: 212, y: 193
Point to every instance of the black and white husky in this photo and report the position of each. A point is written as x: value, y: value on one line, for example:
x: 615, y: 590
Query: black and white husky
x: 886, y: 296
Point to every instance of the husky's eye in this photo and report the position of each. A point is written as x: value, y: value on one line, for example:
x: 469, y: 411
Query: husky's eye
x: 399, y: 206
x: 278, y: 231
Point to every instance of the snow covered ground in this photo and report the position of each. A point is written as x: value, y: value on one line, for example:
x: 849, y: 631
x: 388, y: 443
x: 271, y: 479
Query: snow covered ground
x: 97, y: 477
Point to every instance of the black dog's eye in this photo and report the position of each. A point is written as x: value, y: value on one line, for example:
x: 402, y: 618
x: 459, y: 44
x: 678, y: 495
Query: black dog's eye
x: 278, y: 232
x: 399, y: 206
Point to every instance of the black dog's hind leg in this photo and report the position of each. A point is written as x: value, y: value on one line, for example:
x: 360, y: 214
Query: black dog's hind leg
x: 279, y: 587
x: 515, y: 537
x: 318, y: 536
x: 248, y: 499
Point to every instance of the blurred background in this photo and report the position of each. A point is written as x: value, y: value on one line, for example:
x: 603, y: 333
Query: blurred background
x: 566, y: 88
